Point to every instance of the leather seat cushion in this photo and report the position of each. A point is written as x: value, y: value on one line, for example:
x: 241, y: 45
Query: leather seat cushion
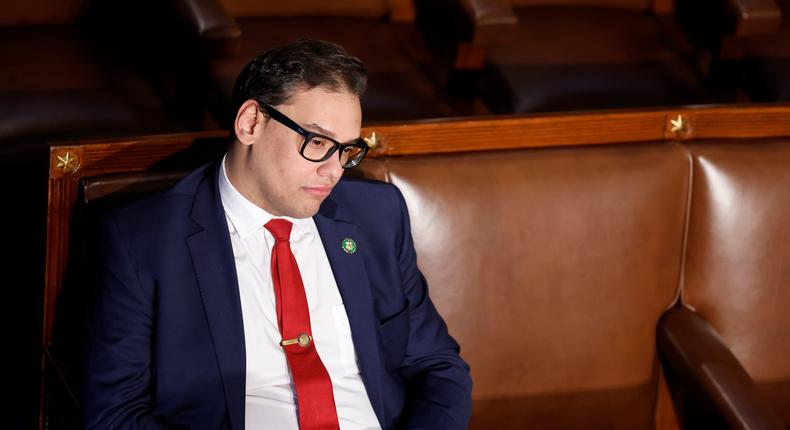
x: 399, y: 68
x: 588, y: 58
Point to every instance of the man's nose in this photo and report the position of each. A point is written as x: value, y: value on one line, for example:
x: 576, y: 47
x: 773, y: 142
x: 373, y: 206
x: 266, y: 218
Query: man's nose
x: 331, y: 167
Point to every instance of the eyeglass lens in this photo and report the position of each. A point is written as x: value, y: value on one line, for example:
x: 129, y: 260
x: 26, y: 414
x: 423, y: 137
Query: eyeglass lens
x: 318, y: 148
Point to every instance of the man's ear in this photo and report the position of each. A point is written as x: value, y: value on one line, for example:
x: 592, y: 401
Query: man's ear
x: 249, y: 122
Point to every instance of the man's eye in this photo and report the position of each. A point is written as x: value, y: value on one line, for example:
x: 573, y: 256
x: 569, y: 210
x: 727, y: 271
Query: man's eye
x: 318, y: 142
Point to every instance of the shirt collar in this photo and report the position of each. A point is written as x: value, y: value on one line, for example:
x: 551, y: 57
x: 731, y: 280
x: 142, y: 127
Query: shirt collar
x: 246, y: 216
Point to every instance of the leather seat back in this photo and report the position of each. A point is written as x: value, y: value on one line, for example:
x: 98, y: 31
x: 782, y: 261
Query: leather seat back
x: 551, y: 268
x: 738, y: 262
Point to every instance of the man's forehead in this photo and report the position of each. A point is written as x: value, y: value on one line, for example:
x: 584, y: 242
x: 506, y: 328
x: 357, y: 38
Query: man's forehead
x: 308, y: 108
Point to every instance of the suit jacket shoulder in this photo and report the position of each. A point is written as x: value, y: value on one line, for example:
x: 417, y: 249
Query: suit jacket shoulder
x: 159, y: 211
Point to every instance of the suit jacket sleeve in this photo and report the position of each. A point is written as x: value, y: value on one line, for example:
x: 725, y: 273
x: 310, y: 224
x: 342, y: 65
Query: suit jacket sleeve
x: 116, y: 389
x: 438, y: 385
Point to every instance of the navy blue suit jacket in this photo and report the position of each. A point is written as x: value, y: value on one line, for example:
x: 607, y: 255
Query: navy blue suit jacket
x: 166, y: 337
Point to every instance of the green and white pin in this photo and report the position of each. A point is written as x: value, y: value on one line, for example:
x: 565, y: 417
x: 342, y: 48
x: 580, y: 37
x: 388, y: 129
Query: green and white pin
x: 349, y: 245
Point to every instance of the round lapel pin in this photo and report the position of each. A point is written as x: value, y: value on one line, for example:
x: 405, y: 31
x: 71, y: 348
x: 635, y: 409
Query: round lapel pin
x: 349, y: 246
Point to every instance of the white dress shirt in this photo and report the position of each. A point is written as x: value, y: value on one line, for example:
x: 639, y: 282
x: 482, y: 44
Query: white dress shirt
x: 270, y: 395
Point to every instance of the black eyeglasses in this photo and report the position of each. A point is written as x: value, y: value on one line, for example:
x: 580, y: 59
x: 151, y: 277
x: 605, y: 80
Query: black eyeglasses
x: 317, y: 147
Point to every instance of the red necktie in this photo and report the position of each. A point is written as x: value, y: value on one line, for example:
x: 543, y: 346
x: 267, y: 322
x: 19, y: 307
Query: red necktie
x: 313, y: 387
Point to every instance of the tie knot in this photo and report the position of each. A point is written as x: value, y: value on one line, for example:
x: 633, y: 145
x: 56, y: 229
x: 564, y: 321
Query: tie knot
x: 280, y: 229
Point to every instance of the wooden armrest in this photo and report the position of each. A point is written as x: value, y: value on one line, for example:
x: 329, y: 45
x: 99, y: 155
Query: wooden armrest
x: 753, y: 16
x: 493, y: 21
x: 213, y: 25
x: 696, y: 353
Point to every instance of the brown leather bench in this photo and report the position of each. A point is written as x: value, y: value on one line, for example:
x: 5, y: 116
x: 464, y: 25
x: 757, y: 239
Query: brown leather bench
x: 552, y: 246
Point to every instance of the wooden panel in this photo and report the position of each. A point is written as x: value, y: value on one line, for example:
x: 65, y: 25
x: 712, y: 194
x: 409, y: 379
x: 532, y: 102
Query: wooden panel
x: 62, y: 198
x: 743, y: 122
x: 509, y: 132
x: 157, y: 152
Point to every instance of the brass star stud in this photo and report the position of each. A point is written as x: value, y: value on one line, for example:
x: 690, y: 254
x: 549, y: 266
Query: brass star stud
x: 372, y: 140
x: 678, y: 124
x: 67, y: 163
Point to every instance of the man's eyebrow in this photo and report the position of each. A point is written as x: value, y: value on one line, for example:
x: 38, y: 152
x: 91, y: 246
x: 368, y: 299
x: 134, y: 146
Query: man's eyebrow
x: 321, y: 130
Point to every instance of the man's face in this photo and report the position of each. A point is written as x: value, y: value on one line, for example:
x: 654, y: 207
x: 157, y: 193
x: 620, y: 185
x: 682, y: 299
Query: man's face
x: 276, y: 177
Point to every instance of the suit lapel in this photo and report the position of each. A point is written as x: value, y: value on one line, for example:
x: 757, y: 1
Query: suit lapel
x: 215, y: 269
x: 334, y: 226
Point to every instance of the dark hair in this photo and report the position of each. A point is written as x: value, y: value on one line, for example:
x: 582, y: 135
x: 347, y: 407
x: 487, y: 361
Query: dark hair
x: 274, y: 75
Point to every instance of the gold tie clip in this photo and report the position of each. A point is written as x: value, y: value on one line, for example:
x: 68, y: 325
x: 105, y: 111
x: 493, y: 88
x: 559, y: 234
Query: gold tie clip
x: 303, y: 340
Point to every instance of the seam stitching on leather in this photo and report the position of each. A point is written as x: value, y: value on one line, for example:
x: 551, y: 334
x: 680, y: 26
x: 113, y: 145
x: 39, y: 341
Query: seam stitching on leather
x: 680, y: 295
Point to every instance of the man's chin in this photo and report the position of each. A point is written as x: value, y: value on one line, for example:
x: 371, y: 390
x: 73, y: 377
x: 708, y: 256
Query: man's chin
x: 307, y: 210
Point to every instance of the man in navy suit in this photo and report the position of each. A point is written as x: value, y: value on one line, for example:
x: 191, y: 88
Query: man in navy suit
x: 188, y: 328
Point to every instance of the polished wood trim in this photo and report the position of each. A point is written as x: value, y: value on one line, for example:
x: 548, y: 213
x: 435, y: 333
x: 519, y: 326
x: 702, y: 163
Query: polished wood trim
x: 128, y: 155
x: 574, y: 129
x: 61, y: 203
